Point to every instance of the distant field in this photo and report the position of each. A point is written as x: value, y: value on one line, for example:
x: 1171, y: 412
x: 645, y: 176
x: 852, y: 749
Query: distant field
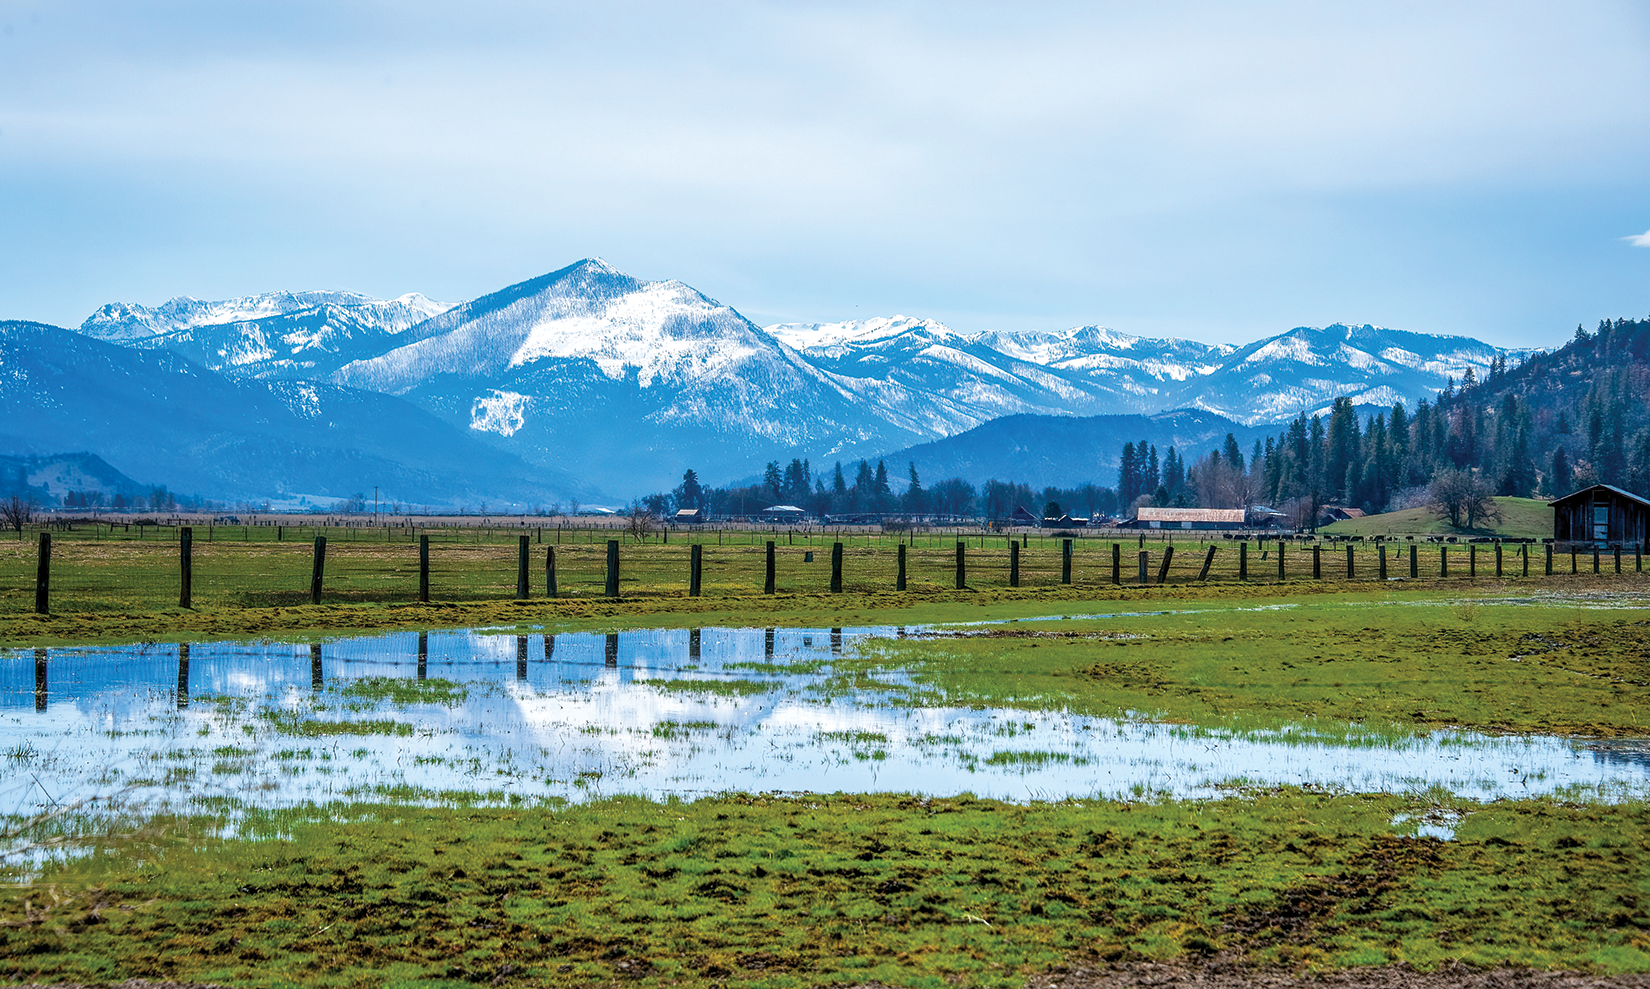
x: 1522, y: 518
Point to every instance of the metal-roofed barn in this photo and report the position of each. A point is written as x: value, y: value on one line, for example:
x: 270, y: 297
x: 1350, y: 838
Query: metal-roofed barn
x: 1602, y: 515
x: 1187, y: 518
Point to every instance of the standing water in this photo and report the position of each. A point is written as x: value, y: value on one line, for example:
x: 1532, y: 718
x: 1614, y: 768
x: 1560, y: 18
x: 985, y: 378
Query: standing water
x: 494, y: 715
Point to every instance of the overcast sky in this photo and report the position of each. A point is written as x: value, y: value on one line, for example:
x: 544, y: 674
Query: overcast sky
x: 1221, y: 171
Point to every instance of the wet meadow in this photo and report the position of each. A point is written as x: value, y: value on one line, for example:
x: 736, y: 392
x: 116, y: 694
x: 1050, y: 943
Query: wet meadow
x: 936, y: 787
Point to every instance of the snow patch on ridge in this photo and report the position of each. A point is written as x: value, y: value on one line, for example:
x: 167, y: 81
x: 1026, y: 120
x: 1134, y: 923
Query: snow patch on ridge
x: 502, y: 412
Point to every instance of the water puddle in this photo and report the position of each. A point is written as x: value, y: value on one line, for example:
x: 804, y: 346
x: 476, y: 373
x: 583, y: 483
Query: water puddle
x: 659, y: 713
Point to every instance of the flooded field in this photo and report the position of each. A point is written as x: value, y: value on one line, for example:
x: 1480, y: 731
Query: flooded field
x: 498, y: 716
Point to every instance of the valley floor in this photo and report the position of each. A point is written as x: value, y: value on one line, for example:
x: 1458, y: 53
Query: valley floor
x: 1256, y: 885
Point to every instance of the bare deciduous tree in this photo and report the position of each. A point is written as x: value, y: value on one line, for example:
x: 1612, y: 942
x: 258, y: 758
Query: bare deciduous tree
x: 1464, y: 498
x: 641, y: 521
x: 16, y: 512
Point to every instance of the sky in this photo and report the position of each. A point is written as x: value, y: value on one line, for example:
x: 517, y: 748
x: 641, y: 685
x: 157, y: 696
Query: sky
x: 1221, y: 172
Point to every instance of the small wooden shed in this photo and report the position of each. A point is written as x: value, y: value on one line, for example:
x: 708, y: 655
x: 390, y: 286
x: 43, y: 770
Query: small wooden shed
x: 1602, y: 515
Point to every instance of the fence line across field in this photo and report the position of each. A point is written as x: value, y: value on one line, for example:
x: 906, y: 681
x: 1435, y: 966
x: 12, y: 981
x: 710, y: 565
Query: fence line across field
x: 342, y: 564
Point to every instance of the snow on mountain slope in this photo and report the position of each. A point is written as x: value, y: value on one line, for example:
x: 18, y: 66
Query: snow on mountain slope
x: 631, y: 379
x: 161, y: 418
x: 122, y: 322
x: 835, y: 339
x: 277, y: 335
x: 1307, y: 368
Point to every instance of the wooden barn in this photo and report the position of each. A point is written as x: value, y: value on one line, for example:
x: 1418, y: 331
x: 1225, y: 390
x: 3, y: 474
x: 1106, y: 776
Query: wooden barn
x: 1602, y: 515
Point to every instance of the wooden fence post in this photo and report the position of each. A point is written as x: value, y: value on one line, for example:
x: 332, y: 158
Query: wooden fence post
x: 424, y: 569
x: 1498, y: 558
x: 1013, y: 563
x: 696, y: 558
x: 1414, y: 561
x: 186, y: 566
x: 1208, y: 561
x: 318, y: 570
x: 1243, y: 561
x: 1281, y: 573
x: 1443, y: 562
x: 962, y: 570
x: 1317, y: 561
x: 836, y: 568
x: 1163, y: 569
x: 899, y: 580
x: 1549, y: 548
x: 1117, y: 563
x: 1524, y: 556
x: 1472, y: 559
x: 1065, y: 561
x: 550, y: 588
x: 1381, y: 565
x: 1350, y: 572
x: 1595, y: 559
x: 521, y: 568
x: 767, y: 580
x: 1143, y: 565
x: 612, y: 568
x: 43, y: 576
x: 1618, y: 559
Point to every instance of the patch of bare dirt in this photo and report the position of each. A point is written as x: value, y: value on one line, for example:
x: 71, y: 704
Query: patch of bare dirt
x: 1218, y: 974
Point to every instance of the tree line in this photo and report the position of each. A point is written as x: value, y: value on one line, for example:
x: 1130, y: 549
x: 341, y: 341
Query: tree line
x: 871, y: 492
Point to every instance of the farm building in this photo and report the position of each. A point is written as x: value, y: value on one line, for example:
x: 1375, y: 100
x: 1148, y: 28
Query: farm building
x: 1023, y: 517
x: 1336, y: 513
x: 1602, y: 515
x: 689, y: 516
x: 1065, y: 522
x: 783, y: 513
x: 1186, y: 518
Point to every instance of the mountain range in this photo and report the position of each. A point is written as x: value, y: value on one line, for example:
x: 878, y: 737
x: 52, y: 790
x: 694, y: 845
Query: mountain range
x: 594, y: 381
x: 153, y: 415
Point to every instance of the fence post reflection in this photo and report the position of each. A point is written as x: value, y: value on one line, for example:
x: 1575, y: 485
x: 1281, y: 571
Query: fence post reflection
x: 183, y: 675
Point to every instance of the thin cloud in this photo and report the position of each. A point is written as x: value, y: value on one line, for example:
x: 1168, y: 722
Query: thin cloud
x: 1639, y: 240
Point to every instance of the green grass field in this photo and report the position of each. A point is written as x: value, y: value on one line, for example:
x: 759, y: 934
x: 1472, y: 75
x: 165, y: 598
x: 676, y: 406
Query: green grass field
x: 1522, y: 518
x: 1334, y: 663
x: 823, y: 890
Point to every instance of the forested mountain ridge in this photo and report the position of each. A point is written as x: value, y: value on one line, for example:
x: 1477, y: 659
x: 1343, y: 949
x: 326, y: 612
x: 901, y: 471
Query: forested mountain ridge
x: 1550, y: 424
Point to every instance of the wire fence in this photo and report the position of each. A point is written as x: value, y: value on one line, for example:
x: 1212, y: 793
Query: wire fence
x: 115, y: 568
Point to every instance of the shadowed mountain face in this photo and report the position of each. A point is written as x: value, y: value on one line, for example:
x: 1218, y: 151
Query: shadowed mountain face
x: 1066, y: 451
x: 159, y: 418
x: 626, y: 383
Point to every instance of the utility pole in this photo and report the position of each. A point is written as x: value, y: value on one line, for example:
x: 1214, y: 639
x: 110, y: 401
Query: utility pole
x: 375, y: 504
